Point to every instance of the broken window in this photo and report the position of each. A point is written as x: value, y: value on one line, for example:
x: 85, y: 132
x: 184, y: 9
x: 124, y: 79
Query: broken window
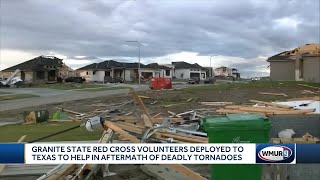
x: 167, y: 72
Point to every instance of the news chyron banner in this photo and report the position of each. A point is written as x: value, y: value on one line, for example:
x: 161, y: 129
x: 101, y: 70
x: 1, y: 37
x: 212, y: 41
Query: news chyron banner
x: 159, y: 153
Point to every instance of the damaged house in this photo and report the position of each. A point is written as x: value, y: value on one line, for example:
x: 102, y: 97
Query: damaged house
x: 225, y: 72
x: 100, y: 72
x: 42, y: 69
x: 184, y: 70
x: 299, y: 64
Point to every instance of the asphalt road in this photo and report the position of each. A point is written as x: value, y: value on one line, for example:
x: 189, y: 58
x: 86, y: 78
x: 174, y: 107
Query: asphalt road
x: 49, y: 96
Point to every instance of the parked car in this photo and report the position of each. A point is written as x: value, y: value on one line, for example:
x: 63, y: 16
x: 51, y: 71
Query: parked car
x: 194, y: 80
x: 255, y: 79
x: 210, y: 80
x: 75, y: 79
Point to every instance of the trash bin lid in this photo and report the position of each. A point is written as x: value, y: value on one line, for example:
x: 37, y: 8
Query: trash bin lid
x: 248, y: 121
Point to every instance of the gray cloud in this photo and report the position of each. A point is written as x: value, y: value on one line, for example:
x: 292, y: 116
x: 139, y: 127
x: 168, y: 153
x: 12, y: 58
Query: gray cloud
x: 97, y: 28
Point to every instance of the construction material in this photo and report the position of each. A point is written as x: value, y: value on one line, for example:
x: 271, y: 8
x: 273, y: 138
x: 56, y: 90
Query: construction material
x: 271, y: 104
x: 162, y: 172
x: 313, y: 87
x: 121, y: 131
x: 189, y: 99
x: 286, y: 133
x: 148, y: 120
x: 216, y: 103
x: 310, y: 92
x: 274, y: 94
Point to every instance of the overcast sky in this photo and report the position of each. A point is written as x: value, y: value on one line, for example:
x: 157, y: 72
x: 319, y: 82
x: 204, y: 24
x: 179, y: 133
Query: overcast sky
x: 239, y: 33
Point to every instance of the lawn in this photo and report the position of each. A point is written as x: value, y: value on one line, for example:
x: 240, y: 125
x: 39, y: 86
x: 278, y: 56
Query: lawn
x: 4, y: 97
x: 262, y: 85
x: 11, y: 133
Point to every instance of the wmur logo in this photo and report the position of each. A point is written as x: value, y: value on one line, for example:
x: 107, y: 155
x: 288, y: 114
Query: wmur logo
x: 272, y: 153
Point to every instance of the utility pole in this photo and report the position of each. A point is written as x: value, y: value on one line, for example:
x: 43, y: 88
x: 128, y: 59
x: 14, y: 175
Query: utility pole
x: 139, y: 73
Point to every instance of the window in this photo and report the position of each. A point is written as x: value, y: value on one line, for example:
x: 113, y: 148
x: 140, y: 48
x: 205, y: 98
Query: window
x: 94, y: 72
x: 87, y: 73
x: 167, y: 72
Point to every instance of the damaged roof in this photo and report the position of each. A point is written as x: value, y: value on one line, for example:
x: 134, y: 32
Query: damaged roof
x: 37, y: 64
x: 291, y: 54
x: 185, y: 65
x: 109, y: 64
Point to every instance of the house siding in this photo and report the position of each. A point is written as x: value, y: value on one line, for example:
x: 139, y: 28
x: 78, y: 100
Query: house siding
x: 284, y: 70
x: 98, y: 76
x: 311, y: 69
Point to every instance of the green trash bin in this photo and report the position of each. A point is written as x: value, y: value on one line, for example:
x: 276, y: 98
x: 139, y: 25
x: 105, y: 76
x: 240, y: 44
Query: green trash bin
x: 236, y: 128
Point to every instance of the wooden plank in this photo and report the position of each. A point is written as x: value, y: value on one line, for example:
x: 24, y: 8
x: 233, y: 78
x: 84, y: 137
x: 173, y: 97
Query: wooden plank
x: 305, y: 85
x: 156, y: 115
x: 186, y: 171
x: 61, y: 174
x: 3, y: 166
x: 307, y: 91
x: 274, y: 94
x: 173, y: 114
x: 180, y: 168
x: 271, y: 111
x: 315, y: 98
x: 149, y: 120
x: 230, y: 111
x: 119, y: 130
x: 177, y: 136
x: 271, y: 104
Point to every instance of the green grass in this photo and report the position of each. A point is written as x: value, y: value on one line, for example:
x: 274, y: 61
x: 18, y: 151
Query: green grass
x: 16, y: 96
x: 11, y: 133
x: 263, y: 85
x: 1, y: 93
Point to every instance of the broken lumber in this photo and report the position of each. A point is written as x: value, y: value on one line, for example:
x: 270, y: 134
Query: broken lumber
x: 271, y: 104
x: 271, y: 111
x: 313, y: 87
x: 231, y: 111
x: 189, y: 99
x: 120, y: 131
x: 315, y: 98
x: 177, y: 136
x: 144, y: 97
x: 307, y: 91
x: 180, y: 168
x: 170, y: 105
x: 70, y: 111
x: 186, y: 171
x: 173, y: 114
x: 216, y: 103
x: 148, y: 120
x: 3, y: 166
x: 275, y: 94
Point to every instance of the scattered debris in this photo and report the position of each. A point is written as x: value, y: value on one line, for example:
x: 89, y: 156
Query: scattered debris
x: 189, y: 99
x: 216, y: 103
x: 305, y: 85
x: 286, y: 133
x: 308, y: 92
x: 275, y: 94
